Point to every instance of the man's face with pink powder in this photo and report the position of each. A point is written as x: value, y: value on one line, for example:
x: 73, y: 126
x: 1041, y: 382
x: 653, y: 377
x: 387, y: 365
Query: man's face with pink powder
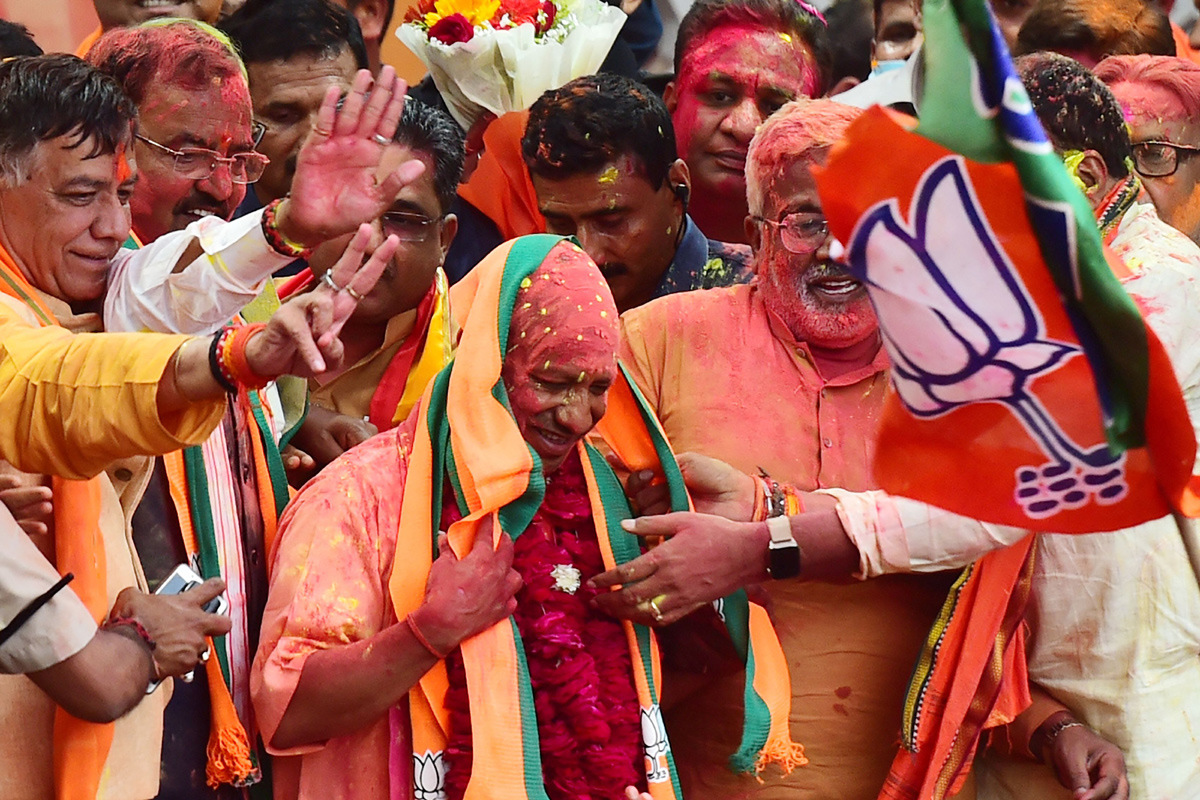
x: 730, y: 80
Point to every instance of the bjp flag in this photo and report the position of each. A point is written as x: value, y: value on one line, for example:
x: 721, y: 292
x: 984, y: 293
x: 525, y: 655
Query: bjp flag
x: 1028, y: 389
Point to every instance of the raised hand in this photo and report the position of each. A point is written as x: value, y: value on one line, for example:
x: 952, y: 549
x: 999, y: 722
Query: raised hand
x: 338, y: 183
x: 302, y: 337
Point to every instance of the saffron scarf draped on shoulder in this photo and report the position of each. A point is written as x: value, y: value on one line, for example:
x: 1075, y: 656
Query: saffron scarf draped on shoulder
x: 501, y: 187
x: 1008, y: 331
x: 426, y: 351
x: 80, y: 748
x: 467, y: 438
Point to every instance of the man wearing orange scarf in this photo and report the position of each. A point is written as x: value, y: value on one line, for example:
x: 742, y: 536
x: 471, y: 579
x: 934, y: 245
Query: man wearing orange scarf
x: 69, y: 167
x: 483, y: 672
x: 1113, y: 663
x: 805, y: 336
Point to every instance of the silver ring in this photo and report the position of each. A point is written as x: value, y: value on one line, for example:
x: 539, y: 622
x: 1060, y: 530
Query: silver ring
x: 204, y: 656
x: 380, y: 139
x: 350, y: 290
x: 189, y: 677
x: 327, y: 279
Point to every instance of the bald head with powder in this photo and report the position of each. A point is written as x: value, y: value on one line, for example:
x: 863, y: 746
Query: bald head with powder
x: 562, y: 353
x: 1160, y: 98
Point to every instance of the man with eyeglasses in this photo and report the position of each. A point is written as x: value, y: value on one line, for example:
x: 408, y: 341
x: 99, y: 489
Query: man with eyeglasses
x: 293, y: 52
x: 402, y: 332
x: 787, y: 375
x: 601, y: 154
x: 1160, y: 96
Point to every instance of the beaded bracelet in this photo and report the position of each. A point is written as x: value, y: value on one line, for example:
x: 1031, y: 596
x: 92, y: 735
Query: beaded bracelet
x: 280, y: 243
x: 138, y: 628
x: 774, y: 499
x: 233, y: 357
x: 216, y: 361
x: 420, y: 637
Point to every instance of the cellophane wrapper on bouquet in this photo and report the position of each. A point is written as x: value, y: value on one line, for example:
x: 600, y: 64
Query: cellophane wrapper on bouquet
x: 500, y: 55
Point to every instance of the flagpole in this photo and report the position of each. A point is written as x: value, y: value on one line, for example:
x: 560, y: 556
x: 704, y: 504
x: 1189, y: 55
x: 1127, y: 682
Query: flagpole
x: 1189, y: 531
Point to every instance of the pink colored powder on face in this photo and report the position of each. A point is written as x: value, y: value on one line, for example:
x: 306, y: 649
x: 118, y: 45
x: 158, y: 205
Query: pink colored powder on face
x: 122, y: 169
x: 561, y: 353
x: 1141, y: 103
x: 756, y: 68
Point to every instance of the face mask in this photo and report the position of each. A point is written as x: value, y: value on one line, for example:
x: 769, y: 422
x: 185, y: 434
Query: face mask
x: 884, y: 67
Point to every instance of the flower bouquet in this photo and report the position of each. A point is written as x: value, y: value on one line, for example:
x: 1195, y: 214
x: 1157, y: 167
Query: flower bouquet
x: 500, y: 55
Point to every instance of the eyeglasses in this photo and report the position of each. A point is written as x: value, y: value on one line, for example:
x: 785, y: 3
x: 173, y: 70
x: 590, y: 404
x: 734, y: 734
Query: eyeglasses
x: 198, y: 163
x: 1160, y: 159
x: 801, y: 232
x: 257, y: 131
x: 408, y: 227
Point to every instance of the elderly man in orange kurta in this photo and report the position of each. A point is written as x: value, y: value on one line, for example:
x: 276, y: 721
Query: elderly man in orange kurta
x: 787, y: 375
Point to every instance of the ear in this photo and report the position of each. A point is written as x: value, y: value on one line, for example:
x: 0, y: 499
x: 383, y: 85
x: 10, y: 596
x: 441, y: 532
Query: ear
x: 370, y: 15
x: 670, y: 97
x: 753, y: 233
x: 1094, y: 174
x: 678, y: 174
x: 449, y: 231
x: 844, y: 84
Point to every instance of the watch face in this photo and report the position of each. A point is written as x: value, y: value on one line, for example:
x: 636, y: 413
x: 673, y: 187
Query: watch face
x: 785, y: 560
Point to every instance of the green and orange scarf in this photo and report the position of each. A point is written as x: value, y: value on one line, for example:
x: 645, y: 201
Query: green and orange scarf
x: 467, y: 438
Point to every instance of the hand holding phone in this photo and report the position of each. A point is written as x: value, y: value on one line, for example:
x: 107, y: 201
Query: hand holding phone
x: 178, y: 623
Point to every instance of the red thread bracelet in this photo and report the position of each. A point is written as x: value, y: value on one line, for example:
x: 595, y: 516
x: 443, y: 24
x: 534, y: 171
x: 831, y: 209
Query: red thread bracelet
x: 233, y: 357
x: 420, y: 637
x: 138, y: 628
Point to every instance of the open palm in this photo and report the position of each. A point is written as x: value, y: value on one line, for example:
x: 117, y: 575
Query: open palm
x: 337, y: 187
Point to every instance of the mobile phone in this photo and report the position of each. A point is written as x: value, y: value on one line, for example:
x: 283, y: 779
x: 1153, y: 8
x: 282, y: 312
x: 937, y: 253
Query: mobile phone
x: 183, y: 578
x: 180, y: 580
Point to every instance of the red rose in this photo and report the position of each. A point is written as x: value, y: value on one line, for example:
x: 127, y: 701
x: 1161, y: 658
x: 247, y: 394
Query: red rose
x: 549, y: 9
x: 451, y: 29
x: 519, y: 11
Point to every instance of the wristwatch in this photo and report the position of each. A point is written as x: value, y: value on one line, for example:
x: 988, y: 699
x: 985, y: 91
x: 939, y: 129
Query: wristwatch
x: 783, y: 553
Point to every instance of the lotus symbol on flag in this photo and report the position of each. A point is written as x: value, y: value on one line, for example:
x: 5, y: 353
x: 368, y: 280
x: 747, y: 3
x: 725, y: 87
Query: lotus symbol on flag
x: 958, y: 333
x: 429, y: 776
x: 654, y: 740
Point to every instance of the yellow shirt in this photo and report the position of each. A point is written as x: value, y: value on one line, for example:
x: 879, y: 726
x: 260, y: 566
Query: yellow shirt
x: 70, y: 405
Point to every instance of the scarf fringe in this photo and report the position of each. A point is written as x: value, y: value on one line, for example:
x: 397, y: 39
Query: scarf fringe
x: 228, y: 751
x: 782, y: 751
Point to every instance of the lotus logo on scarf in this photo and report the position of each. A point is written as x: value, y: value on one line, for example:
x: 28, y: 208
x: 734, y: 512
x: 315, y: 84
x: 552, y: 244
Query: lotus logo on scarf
x: 429, y: 776
x: 973, y: 335
x: 654, y: 737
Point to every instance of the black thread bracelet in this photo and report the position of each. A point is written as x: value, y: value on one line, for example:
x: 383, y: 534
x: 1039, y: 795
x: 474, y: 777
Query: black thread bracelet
x: 214, y: 364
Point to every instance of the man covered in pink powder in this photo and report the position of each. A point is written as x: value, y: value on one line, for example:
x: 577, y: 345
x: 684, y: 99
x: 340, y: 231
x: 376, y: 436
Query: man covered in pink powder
x: 736, y: 63
x: 787, y: 375
x: 1160, y: 96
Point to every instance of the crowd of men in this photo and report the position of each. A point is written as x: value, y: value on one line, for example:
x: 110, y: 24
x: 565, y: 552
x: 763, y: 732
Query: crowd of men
x: 398, y: 393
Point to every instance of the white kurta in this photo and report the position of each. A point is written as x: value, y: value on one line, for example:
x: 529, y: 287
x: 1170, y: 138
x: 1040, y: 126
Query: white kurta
x: 1115, y: 617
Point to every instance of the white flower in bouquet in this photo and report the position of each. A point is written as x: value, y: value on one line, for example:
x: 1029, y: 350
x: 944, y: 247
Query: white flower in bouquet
x: 500, y: 55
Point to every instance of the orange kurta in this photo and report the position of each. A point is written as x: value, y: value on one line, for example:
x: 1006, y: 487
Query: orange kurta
x: 728, y: 380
